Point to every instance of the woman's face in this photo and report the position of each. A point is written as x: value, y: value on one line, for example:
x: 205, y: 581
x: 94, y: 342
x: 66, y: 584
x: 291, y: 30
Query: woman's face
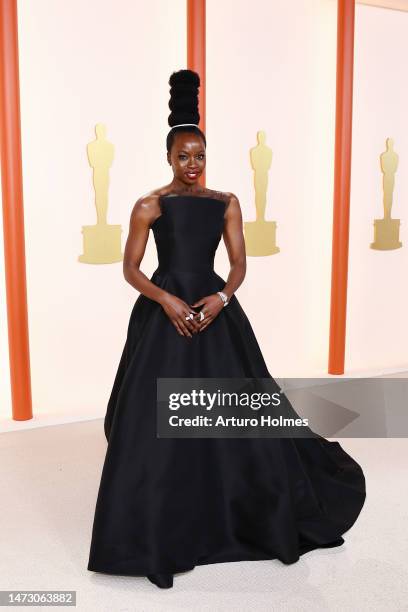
x: 187, y: 157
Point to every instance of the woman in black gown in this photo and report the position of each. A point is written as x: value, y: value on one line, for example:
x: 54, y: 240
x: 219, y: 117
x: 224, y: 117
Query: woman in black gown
x: 166, y: 505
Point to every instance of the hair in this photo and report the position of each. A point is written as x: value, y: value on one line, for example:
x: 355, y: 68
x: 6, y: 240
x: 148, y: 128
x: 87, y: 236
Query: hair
x: 183, y: 104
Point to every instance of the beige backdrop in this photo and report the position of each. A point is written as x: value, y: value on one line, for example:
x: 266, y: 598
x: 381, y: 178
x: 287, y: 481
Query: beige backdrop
x: 270, y: 68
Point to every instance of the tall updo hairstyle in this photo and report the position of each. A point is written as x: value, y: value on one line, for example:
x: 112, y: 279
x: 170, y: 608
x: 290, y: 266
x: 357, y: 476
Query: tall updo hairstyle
x: 183, y: 104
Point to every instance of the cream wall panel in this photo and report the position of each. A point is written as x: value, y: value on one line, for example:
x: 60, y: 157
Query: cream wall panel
x: 84, y: 63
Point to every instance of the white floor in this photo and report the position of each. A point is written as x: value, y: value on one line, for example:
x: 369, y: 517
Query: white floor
x: 49, y: 479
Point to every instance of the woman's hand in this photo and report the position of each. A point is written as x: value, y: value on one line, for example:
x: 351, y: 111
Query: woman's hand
x: 177, y: 310
x: 212, y: 305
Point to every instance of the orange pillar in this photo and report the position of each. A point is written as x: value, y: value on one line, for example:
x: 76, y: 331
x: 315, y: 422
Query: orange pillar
x: 13, y: 213
x: 196, y: 53
x: 342, y: 172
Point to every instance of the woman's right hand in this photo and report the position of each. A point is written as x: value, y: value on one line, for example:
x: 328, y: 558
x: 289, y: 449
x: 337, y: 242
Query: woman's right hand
x: 177, y: 311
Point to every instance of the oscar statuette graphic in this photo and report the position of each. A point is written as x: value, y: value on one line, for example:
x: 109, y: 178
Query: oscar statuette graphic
x: 260, y: 235
x: 101, y: 242
x: 386, y: 230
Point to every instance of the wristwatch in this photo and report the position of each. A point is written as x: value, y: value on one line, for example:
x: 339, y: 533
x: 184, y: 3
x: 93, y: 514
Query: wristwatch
x: 223, y: 296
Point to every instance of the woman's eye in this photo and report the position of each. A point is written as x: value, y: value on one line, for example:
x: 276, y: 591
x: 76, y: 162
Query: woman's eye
x: 183, y: 157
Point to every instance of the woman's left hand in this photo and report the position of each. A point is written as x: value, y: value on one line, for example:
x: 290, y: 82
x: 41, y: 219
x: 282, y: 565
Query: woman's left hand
x: 212, y: 305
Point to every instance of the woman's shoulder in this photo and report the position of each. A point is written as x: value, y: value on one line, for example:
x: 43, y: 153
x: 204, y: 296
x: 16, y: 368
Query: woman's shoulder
x: 219, y: 195
x: 149, y: 197
x: 226, y: 196
x: 147, y: 206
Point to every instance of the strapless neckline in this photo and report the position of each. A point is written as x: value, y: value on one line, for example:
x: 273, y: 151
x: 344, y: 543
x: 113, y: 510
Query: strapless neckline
x: 188, y: 195
x: 175, y: 196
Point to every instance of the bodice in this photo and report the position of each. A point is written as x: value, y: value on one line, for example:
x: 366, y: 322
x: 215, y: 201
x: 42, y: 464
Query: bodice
x: 187, y: 232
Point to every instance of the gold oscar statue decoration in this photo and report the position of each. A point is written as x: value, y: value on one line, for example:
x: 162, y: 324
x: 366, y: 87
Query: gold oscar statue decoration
x: 101, y: 242
x: 260, y: 235
x: 386, y: 230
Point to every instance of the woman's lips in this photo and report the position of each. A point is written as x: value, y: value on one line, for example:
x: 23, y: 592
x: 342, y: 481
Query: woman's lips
x: 192, y: 174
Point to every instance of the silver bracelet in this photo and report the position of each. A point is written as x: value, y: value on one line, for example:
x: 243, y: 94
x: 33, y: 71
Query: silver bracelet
x: 223, y: 296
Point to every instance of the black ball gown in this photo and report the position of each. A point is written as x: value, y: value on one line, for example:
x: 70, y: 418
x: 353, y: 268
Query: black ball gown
x: 166, y: 505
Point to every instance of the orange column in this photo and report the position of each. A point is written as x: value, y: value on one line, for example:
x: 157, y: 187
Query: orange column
x: 342, y: 172
x: 196, y: 53
x: 13, y: 213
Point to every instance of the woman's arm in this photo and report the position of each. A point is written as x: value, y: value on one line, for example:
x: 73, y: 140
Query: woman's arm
x: 235, y: 244
x: 144, y: 212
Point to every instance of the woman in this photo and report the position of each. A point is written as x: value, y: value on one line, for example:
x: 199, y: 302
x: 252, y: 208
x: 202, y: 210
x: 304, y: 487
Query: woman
x: 164, y: 504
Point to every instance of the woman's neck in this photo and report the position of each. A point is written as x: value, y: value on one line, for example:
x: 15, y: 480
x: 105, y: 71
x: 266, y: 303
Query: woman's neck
x: 178, y: 185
